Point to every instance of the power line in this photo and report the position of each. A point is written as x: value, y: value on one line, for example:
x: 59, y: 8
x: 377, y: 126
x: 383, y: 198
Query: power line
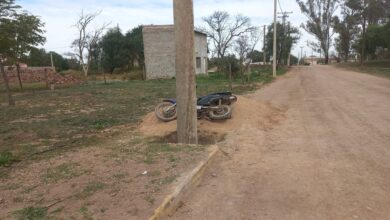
x: 280, y: 6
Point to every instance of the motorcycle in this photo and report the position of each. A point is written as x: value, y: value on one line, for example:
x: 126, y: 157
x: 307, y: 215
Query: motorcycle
x: 215, y: 106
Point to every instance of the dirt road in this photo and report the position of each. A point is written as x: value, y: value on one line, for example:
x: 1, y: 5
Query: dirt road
x: 328, y: 159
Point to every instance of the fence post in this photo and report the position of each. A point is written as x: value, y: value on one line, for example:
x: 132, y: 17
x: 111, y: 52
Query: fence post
x: 230, y: 78
x: 46, y: 79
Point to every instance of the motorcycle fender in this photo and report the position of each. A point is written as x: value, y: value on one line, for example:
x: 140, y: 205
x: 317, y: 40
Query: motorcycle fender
x: 170, y: 100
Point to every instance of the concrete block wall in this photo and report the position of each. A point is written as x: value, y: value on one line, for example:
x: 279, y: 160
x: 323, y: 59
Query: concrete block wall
x: 159, y: 49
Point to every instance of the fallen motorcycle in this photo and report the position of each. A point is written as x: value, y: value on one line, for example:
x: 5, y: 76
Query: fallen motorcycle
x: 215, y: 106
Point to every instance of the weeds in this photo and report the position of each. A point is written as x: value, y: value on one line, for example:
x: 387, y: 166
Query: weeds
x: 6, y: 158
x: 91, y: 189
x: 31, y: 213
x: 63, y: 171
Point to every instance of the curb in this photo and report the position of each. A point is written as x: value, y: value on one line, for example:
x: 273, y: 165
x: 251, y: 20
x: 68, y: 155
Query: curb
x: 172, y: 201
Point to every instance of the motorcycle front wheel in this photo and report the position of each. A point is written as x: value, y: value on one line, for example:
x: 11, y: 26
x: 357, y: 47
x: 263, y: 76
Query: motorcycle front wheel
x: 222, y: 112
x: 166, y: 111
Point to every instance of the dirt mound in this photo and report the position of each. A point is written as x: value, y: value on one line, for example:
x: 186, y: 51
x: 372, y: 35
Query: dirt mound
x: 245, y: 112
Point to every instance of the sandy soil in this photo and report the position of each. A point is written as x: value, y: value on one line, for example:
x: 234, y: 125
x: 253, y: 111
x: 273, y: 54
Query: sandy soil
x: 328, y: 158
x: 246, y: 112
x: 104, y: 181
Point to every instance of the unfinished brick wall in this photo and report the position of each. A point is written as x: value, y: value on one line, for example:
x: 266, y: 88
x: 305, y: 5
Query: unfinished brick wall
x: 37, y: 74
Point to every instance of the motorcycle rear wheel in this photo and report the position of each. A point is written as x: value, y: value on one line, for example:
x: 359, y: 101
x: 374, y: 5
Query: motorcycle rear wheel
x: 166, y: 112
x: 222, y: 113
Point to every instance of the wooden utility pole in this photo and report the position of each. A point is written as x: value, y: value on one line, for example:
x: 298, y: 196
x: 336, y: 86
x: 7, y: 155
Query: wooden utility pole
x: 264, y: 46
x: 187, y: 132
x: 230, y: 78
x: 274, y: 49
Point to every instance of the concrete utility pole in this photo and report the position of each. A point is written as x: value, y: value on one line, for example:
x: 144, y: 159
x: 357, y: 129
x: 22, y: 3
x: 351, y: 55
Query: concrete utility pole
x: 187, y: 132
x: 284, y: 16
x: 52, y: 63
x: 274, y: 49
x: 264, y: 46
x: 302, y: 53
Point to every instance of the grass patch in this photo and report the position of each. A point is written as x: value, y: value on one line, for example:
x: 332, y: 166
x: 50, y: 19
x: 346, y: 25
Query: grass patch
x: 63, y: 171
x: 91, y: 188
x: 70, y: 116
x: 376, y: 67
x: 31, y: 213
x: 6, y: 158
x: 150, y: 199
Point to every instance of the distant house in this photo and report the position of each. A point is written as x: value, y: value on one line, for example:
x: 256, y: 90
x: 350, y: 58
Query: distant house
x: 160, y: 55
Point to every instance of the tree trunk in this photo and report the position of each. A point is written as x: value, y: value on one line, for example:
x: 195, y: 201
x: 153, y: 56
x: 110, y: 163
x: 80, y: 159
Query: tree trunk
x: 363, y: 55
x: 11, y: 100
x: 19, y: 78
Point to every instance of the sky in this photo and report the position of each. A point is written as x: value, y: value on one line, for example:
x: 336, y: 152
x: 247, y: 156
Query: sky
x: 59, y: 16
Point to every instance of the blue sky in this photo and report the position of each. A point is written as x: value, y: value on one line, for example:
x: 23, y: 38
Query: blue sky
x: 60, y: 15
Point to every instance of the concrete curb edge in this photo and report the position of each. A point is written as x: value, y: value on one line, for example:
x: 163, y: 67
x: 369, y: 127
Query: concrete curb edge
x: 172, y: 201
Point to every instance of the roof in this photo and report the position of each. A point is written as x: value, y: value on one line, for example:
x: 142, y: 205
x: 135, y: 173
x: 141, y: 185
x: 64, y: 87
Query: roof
x: 170, y: 27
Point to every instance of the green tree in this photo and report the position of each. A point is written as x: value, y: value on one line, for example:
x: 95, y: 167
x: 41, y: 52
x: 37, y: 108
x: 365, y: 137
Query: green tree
x: 369, y: 12
x: 115, y: 53
x: 347, y: 29
x: 135, y: 46
x: 28, y: 34
x: 287, y: 36
x: 7, y: 12
x: 320, y: 19
x: 256, y: 56
x: 7, y: 8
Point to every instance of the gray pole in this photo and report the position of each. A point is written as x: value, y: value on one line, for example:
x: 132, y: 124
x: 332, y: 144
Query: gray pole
x: 274, y: 52
x: 187, y: 132
x: 264, y: 46
x: 52, y: 63
x: 302, y: 53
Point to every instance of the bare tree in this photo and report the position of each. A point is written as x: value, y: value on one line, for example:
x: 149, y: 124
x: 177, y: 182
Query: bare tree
x: 244, y: 46
x: 223, y: 29
x: 320, y: 17
x: 86, y: 39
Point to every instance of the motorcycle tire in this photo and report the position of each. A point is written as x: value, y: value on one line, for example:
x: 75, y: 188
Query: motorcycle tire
x: 222, y: 113
x: 162, y: 113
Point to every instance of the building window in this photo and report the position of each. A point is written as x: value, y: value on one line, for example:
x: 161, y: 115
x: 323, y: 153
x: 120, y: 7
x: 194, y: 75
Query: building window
x: 198, y: 63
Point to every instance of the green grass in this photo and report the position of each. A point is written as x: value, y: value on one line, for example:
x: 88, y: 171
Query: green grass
x: 31, y: 213
x: 377, y: 67
x: 6, y: 158
x: 63, y: 171
x: 91, y: 188
x: 74, y: 116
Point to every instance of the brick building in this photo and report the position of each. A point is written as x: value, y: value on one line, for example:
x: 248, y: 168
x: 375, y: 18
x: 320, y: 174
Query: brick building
x: 159, y: 48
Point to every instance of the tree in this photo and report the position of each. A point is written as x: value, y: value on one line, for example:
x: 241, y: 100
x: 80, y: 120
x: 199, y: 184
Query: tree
x: 7, y: 8
x: 369, y: 12
x: 87, y: 40
x: 320, y: 17
x: 223, y: 29
x: 245, y: 45
x: 28, y: 30
x: 347, y: 29
x: 135, y: 46
x: 256, y: 56
x: 286, y: 38
x: 7, y: 12
x: 114, y: 50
